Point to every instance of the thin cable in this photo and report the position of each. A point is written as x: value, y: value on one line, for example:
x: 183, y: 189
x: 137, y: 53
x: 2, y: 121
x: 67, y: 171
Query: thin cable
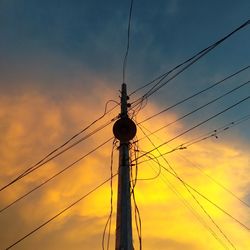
x: 54, y: 176
x: 138, y: 222
x: 198, y: 125
x: 60, y: 213
x: 211, y: 202
x: 216, y: 132
x: 213, y: 133
x: 192, y: 60
x: 187, y: 188
x: 196, y: 94
x: 77, y: 134
x: 193, y: 211
x: 25, y: 173
x: 174, y: 173
x: 158, y: 173
x: 199, y: 108
x: 109, y: 220
x: 128, y: 43
x: 187, y: 205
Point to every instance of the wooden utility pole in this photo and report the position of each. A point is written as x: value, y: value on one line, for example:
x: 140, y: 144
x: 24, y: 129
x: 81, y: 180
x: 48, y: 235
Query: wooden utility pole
x: 124, y: 130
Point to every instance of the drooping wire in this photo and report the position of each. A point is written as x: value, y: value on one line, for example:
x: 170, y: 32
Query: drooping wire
x: 124, y: 67
x: 54, y: 176
x: 60, y: 213
x: 25, y: 173
x: 207, y: 199
x: 190, y: 61
x: 138, y: 221
x: 187, y: 186
x: 216, y: 132
x: 173, y: 172
x: 199, y: 108
x: 106, y: 111
x: 109, y: 220
x: 185, y: 202
x: 158, y: 173
x: 196, y: 94
x: 213, y: 133
x: 197, y: 125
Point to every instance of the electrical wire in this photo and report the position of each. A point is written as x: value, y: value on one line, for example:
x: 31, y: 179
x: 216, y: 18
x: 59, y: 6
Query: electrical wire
x: 54, y: 176
x: 109, y: 220
x: 128, y: 43
x: 106, y: 111
x: 174, y: 173
x: 189, y: 207
x: 158, y: 173
x: 196, y: 94
x: 138, y: 221
x: 25, y: 173
x: 60, y: 213
x: 186, y: 204
x: 207, y: 199
x: 213, y: 133
x: 190, y: 61
x: 199, y: 108
x: 198, y: 125
x: 216, y: 132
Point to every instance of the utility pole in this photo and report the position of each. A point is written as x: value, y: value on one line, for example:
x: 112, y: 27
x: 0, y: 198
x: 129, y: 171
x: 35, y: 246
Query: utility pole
x: 124, y: 130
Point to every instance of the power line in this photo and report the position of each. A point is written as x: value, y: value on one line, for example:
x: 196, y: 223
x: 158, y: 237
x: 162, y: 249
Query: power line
x: 198, y: 125
x: 205, y: 136
x: 106, y: 111
x: 190, y: 61
x: 128, y: 43
x: 54, y: 176
x: 53, y: 157
x: 174, y: 173
x: 138, y: 221
x: 199, y: 108
x: 189, y: 207
x: 204, y: 197
x: 196, y: 94
x: 216, y: 132
x: 109, y: 220
x: 212, y: 133
x: 60, y: 213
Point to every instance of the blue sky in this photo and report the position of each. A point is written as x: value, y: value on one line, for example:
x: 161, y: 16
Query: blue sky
x: 54, y: 40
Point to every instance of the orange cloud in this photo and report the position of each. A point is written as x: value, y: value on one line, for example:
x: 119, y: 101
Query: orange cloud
x: 33, y: 123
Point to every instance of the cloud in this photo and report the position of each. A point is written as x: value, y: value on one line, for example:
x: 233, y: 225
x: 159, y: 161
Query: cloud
x: 33, y: 122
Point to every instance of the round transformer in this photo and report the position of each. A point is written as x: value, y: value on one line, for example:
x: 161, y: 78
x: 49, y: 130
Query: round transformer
x: 124, y: 129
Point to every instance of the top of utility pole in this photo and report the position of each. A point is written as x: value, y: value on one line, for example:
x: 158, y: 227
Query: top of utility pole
x: 124, y: 129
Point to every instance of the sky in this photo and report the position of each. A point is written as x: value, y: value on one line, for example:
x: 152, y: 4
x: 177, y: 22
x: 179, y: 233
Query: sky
x: 61, y: 61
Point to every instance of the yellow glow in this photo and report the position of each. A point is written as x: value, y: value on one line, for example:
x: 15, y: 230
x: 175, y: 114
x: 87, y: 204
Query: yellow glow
x: 33, y: 124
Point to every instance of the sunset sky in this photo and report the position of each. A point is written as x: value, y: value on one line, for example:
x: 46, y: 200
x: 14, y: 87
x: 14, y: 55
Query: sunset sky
x: 61, y: 61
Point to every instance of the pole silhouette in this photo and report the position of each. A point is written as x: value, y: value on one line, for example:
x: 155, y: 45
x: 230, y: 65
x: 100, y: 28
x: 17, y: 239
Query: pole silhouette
x: 124, y: 130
